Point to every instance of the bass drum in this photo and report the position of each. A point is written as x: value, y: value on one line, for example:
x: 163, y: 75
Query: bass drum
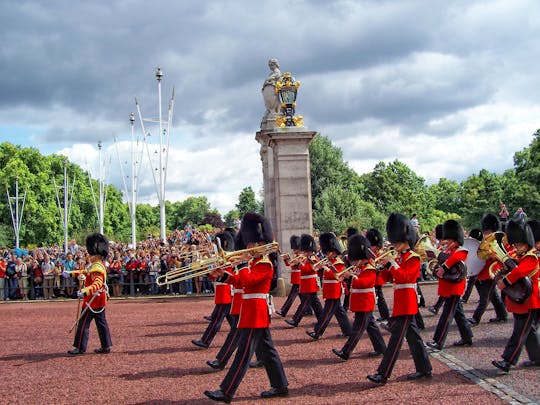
x: 473, y: 262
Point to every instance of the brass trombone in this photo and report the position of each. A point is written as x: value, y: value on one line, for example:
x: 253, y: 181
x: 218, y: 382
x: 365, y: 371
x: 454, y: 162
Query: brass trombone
x: 221, y: 260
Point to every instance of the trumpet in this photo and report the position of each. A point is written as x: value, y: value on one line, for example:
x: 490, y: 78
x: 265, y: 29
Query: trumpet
x: 389, y: 253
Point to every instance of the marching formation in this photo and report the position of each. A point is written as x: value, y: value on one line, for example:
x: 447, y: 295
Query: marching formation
x: 503, y: 266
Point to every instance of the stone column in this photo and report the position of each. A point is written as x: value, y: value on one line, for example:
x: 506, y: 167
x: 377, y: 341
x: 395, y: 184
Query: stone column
x: 287, y: 182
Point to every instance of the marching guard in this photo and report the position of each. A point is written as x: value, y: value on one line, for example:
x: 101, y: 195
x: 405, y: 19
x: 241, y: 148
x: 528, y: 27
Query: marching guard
x: 452, y: 273
x: 293, y: 263
x: 484, y: 283
x: 362, y: 299
x: 94, y: 295
x: 375, y: 238
x: 254, y: 320
x: 309, y: 284
x: 525, y: 313
x: 405, y: 270
x: 332, y: 288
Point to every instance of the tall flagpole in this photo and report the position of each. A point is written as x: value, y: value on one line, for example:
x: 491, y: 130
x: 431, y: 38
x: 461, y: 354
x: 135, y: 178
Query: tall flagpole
x: 133, y: 204
x: 16, y: 216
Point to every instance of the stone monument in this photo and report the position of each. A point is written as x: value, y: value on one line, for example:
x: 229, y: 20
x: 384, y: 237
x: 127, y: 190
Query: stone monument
x: 285, y: 159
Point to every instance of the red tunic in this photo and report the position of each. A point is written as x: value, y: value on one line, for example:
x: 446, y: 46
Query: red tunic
x: 363, y: 289
x: 526, y: 264
x: 447, y: 288
x: 331, y: 285
x: 94, y: 283
x: 308, y: 278
x: 484, y: 273
x: 222, y: 292
x: 234, y: 280
x: 405, y: 273
x: 256, y: 281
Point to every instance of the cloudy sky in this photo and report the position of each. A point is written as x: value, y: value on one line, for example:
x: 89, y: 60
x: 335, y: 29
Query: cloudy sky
x: 447, y: 87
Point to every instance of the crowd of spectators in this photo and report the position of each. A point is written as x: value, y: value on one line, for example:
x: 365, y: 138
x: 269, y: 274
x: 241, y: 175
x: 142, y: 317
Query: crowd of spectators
x: 49, y: 272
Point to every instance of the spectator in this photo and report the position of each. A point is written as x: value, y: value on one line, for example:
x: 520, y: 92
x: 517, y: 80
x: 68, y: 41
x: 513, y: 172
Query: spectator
x: 2, y: 278
x: 520, y: 215
x: 22, y: 277
x: 47, y: 267
x: 11, y: 278
x: 415, y: 223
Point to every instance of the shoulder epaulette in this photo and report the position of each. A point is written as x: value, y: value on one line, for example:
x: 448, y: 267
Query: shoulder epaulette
x: 412, y: 254
x: 98, y: 267
x: 265, y: 259
x: 339, y: 261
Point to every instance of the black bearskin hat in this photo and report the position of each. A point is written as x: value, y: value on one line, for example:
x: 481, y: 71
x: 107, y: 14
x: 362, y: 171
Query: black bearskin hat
x: 230, y: 230
x: 358, y: 247
x: 255, y: 228
x: 329, y: 242
x: 226, y: 241
x: 307, y: 243
x: 535, y: 228
x: 97, y: 244
x: 452, y: 230
x: 438, y: 232
x: 476, y: 234
x: 351, y: 231
x: 519, y: 233
x: 375, y: 237
x: 295, y: 242
x: 490, y: 223
x: 400, y: 229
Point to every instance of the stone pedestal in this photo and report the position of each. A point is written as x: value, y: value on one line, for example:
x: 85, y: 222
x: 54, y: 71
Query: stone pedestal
x: 287, y: 182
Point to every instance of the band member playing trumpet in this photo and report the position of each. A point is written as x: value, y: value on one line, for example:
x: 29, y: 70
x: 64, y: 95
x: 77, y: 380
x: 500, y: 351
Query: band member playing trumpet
x: 375, y: 238
x: 526, y: 313
x: 362, y: 299
x: 94, y: 295
x: 222, y: 299
x: 309, y: 285
x: 484, y: 283
x: 452, y: 286
x: 254, y: 318
x: 332, y: 288
x: 405, y: 270
x: 293, y: 263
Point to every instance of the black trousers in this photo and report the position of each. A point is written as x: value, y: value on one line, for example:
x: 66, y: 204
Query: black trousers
x: 438, y: 304
x: 471, y: 282
x: 401, y: 327
x: 364, y: 321
x: 257, y: 341
x: 308, y: 300
x: 487, y: 292
x: 452, y: 309
x: 382, y: 306
x: 221, y: 311
x: 231, y: 342
x: 524, y: 334
x: 295, y: 288
x: 333, y: 307
x: 81, y: 336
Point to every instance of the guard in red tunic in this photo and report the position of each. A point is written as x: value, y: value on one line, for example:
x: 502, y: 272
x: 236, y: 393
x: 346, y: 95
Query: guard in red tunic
x: 375, y: 238
x: 94, y: 295
x: 309, y: 282
x: 293, y: 263
x: 332, y: 288
x: 405, y: 270
x: 484, y: 283
x: 222, y: 299
x: 254, y: 318
x: 362, y: 298
x: 452, y: 278
x: 525, y: 264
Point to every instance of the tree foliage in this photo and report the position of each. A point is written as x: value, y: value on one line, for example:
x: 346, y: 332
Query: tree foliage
x: 247, y: 202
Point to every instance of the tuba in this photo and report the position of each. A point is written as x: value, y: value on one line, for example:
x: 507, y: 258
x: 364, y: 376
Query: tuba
x: 427, y: 252
x: 520, y: 291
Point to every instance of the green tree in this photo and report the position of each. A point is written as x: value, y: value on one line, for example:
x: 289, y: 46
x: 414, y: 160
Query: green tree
x: 446, y: 195
x: 527, y: 168
x: 230, y: 217
x: 247, y: 202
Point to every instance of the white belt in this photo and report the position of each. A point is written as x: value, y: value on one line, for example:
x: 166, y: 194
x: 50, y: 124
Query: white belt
x: 254, y: 295
x: 308, y: 277
x: 218, y: 283
x: 363, y: 290
x: 238, y: 290
x: 402, y: 286
x: 295, y: 271
x: 330, y: 281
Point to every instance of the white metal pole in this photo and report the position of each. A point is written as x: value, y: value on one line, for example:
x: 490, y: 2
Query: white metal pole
x: 66, y: 191
x: 133, y: 183
x: 159, y: 75
x: 17, y: 211
x: 100, y: 185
